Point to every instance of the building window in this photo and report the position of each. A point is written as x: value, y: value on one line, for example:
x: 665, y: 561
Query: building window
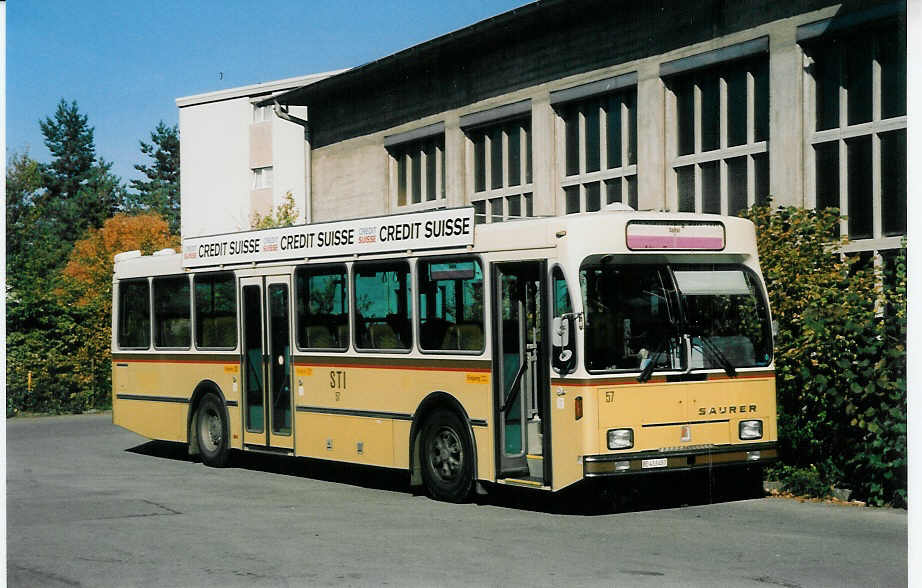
x: 856, y: 130
x: 262, y: 178
x: 262, y: 113
x: 419, y: 169
x: 599, y: 154
x: 718, y: 147
x: 500, y: 174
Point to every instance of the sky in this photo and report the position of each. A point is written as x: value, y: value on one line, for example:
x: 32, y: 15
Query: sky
x: 125, y: 62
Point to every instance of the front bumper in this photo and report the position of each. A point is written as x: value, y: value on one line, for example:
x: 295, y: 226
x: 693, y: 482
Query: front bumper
x: 679, y: 459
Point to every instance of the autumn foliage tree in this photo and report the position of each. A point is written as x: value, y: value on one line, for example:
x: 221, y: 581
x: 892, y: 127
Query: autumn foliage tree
x: 86, y: 284
x: 67, y: 351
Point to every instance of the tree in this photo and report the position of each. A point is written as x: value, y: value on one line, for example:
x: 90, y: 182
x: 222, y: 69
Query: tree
x: 284, y: 215
x: 86, y: 290
x: 80, y: 192
x: 49, y: 207
x: 69, y: 138
x: 23, y: 185
x: 160, y: 191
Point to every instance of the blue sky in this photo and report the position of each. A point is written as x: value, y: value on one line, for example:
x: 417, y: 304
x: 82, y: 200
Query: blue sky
x: 126, y: 61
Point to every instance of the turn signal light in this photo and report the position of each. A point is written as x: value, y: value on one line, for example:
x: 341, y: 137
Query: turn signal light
x: 578, y: 407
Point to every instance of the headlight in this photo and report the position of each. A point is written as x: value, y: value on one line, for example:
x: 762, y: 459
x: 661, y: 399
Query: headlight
x: 620, y: 438
x: 750, y: 429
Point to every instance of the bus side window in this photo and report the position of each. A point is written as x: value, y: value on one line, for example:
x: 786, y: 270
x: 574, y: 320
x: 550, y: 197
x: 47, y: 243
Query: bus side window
x: 172, y: 312
x: 451, y: 305
x: 215, y: 311
x: 323, y: 307
x: 134, y: 314
x: 382, y: 303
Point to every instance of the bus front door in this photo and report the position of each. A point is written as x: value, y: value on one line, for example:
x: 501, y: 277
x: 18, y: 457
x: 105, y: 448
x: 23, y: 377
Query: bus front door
x: 266, y: 363
x: 520, y: 372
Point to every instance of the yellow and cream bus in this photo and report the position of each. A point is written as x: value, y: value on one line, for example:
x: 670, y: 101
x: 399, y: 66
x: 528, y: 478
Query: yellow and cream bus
x: 535, y: 353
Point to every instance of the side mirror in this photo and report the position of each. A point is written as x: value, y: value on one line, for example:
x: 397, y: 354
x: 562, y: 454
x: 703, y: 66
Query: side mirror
x: 775, y: 328
x: 560, y: 332
x: 563, y: 352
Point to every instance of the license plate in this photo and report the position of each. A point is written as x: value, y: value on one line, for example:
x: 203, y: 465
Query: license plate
x: 659, y: 462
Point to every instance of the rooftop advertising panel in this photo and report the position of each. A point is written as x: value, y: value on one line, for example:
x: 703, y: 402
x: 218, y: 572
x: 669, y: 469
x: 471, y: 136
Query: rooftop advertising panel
x: 421, y: 230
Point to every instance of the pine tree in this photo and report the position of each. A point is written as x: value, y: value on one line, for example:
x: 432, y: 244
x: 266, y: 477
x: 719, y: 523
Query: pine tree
x: 70, y: 140
x: 81, y: 192
x: 160, y: 191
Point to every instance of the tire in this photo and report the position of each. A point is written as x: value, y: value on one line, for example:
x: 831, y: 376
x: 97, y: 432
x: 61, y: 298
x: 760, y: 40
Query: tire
x: 211, y: 432
x: 447, y: 457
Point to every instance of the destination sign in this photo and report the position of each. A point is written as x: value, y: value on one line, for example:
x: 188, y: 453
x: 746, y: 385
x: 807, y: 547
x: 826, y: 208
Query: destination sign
x: 421, y: 230
x: 676, y: 235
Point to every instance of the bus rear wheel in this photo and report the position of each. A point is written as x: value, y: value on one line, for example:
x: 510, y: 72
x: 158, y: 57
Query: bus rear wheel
x: 447, y: 457
x: 211, y: 432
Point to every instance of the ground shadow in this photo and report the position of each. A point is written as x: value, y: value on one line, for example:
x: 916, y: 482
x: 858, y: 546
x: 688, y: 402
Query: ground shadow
x: 590, y: 498
x: 302, y: 467
x: 630, y: 494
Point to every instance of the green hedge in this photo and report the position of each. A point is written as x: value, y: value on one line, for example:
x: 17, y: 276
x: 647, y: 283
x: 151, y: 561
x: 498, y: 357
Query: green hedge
x: 840, y: 354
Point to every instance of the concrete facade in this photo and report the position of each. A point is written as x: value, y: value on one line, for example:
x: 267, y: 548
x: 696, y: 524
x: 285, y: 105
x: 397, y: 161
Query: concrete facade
x: 560, y: 107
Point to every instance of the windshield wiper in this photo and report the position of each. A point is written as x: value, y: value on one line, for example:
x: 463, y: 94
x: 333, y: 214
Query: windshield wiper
x: 654, y: 359
x: 716, y: 353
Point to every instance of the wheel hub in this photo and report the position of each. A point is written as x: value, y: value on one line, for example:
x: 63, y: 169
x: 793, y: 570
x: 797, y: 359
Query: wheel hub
x: 212, y: 435
x: 446, y: 454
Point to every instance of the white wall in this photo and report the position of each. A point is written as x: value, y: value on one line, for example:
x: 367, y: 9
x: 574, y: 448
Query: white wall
x: 214, y: 159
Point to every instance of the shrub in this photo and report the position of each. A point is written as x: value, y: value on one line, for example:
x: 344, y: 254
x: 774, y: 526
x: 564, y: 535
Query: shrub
x: 840, y: 354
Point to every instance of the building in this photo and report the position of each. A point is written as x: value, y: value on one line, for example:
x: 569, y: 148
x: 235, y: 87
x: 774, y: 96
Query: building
x: 562, y: 107
x: 237, y: 159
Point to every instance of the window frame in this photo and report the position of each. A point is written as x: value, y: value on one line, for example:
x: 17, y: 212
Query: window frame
x: 150, y: 319
x: 417, y: 323
x: 195, y: 311
x: 350, y: 306
x: 845, y: 133
x: 485, y: 201
x: 261, y: 179
x: 153, y: 308
x: 354, y: 325
x: 582, y: 179
x: 402, y: 148
x: 750, y: 57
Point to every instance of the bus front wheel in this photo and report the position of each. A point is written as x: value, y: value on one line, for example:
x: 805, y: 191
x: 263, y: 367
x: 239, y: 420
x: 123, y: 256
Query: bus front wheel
x: 211, y: 431
x: 447, y: 457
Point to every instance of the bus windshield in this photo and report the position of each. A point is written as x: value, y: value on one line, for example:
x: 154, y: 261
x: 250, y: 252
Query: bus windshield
x: 641, y: 313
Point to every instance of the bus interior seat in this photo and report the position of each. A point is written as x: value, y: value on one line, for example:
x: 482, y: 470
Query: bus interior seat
x: 467, y: 336
x: 380, y: 335
x: 341, y: 333
x: 217, y: 330
x: 318, y: 337
x: 432, y: 332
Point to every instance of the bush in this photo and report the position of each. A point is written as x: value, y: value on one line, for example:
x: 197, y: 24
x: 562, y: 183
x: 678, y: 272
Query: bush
x: 802, y: 481
x: 840, y: 354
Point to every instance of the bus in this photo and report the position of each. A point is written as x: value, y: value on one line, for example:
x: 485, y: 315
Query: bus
x: 536, y: 353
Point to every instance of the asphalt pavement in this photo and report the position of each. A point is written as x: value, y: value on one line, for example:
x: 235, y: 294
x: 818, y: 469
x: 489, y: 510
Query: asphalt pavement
x: 90, y: 504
